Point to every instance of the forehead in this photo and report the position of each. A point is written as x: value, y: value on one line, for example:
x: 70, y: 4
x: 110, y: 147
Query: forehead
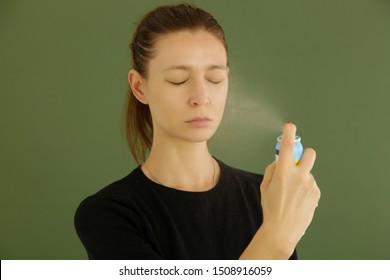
x: 190, y: 48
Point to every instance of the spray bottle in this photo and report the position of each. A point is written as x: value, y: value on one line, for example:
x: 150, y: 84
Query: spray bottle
x: 298, y: 148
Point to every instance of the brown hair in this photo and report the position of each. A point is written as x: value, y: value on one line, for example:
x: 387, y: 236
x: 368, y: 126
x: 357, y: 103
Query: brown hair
x: 156, y: 23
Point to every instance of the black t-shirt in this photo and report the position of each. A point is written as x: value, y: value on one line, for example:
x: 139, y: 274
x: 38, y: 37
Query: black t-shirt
x: 135, y: 218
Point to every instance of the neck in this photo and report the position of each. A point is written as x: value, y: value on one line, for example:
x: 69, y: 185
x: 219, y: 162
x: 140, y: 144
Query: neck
x: 188, y: 166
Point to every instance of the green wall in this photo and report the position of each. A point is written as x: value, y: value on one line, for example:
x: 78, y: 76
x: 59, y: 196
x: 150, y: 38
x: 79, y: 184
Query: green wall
x: 323, y: 64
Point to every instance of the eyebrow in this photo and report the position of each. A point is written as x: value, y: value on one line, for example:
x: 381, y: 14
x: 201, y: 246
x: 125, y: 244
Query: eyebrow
x: 184, y: 67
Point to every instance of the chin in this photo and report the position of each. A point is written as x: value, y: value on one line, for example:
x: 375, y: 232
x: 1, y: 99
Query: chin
x: 198, y: 137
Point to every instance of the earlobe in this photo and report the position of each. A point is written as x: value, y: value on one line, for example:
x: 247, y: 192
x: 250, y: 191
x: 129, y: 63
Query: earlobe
x: 136, y: 83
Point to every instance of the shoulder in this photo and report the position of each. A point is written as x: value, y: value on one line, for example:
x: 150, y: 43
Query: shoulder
x: 111, y: 222
x: 116, y: 190
x: 117, y: 198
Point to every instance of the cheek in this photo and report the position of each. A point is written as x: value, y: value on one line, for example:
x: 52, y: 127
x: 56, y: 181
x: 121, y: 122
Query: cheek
x: 165, y: 105
x: 221, y: 99
x: 161, y: 107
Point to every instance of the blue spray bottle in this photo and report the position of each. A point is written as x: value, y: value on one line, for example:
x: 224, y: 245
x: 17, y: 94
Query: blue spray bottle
x: 298, y: 148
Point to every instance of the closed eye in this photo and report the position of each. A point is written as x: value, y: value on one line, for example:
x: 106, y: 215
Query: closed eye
x: 215, y: 82
x: 177, y: 83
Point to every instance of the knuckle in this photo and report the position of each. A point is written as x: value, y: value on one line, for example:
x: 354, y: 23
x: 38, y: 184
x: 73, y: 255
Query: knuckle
x: 303, y: 179
x: 318, y: 191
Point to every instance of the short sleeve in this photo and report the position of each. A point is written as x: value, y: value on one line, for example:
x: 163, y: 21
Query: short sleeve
x: 109, y: 231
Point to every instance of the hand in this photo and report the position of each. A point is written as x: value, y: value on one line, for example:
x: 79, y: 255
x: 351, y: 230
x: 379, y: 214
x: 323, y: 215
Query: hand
x: 289, y: 194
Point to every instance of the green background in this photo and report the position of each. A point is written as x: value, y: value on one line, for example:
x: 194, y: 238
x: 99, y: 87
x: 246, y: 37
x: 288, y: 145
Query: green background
x: 323, y: 64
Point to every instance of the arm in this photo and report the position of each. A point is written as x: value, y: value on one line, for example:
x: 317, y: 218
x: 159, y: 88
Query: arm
x: 110, y: 231
x: 289, y: 197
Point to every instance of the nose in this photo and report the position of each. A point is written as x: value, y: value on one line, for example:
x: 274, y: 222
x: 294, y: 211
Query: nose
x: 199, y: 94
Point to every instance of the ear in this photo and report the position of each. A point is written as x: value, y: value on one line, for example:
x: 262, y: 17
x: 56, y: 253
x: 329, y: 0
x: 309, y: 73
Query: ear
x: 136, y: 82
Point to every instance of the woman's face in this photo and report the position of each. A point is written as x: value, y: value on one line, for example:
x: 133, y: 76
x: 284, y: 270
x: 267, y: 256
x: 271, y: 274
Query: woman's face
x: 186, y: 86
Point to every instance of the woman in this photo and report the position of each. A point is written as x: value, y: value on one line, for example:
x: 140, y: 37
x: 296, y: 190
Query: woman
x: 182, y: 203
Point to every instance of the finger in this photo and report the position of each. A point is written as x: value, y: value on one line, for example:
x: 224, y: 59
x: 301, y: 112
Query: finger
x: 286, y: 153
x: 268, y: 174
x: 308, y: 159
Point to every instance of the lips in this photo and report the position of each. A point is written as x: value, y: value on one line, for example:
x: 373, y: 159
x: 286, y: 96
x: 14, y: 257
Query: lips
x: 200, y: 121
